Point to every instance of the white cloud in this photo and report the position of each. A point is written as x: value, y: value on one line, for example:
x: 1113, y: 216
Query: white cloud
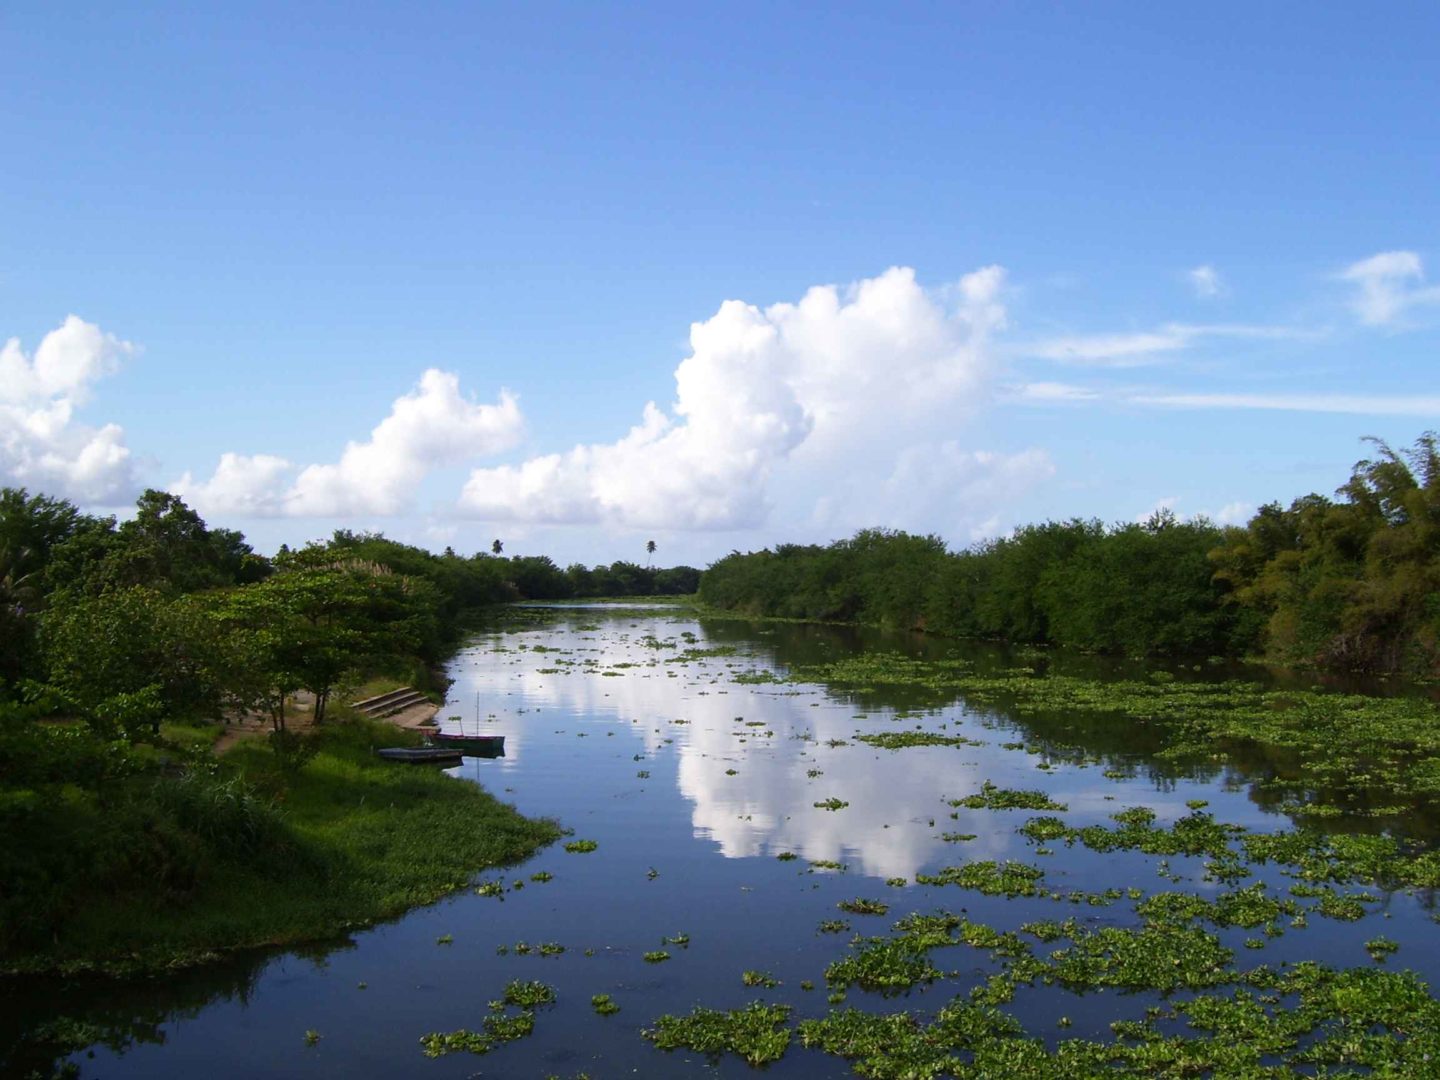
x: 241, y: 484
x: 806, y: 381
x: 1051, y: 392
x: 432, y: 426
x: 1161, y: 506
x: 1235, y: 513
x: 1388, y: 284
x: 1146, y: 346
x: 1362, y: 404
x: 1206, y: 281
x: 1113, y: 350
x: 959, y: 487
x: 41, y: 445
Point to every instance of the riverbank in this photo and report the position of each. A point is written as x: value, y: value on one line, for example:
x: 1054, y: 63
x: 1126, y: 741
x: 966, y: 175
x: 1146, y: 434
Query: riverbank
x: 254, y: 851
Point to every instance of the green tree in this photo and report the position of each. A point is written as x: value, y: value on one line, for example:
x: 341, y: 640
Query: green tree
x: 130, y: 657
x: 313, y: 622
x: 20, y: 600
x: 32, y: 529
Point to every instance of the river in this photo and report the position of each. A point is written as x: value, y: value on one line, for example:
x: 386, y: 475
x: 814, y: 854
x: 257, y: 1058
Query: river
x: 658, y: 736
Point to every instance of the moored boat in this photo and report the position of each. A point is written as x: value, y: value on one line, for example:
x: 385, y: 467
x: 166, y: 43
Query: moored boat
x: 470, y: 745
x: 418, y: 755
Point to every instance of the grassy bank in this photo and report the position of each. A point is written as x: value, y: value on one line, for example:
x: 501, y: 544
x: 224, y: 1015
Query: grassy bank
x: 162, y: 870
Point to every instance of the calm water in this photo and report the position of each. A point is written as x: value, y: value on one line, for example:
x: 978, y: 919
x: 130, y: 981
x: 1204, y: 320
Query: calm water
x: 588, y: 700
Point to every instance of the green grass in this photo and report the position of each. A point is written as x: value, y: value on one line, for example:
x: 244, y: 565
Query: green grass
x: 259, y: 857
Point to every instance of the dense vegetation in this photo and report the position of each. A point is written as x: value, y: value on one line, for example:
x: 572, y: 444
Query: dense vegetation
x: 1351, y: 583
x: 122, y: 647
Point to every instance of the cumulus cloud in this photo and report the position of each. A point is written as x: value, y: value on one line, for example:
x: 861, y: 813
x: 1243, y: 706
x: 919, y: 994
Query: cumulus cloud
x: 1206, y: 281
x: 1387, y: 285
x: 41, y: 443
x: 241, y: 484
x: 798, y: 381
x: 434, y: 425
x: 962, y: 486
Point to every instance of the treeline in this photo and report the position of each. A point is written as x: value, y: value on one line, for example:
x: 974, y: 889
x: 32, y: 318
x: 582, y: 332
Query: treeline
x: 1351, y: 583
x: 121, y: 645
x: 68, y: 579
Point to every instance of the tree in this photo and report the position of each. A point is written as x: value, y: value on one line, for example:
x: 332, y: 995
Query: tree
x: 32, y: 529
x: 649, y: 551
x: 165, y: 546
x: 497, y: 547
x: 313, y: 622
x: 34, y: 525
x: 19, y: 601
x: 538, y: 578
x: 130, y: 657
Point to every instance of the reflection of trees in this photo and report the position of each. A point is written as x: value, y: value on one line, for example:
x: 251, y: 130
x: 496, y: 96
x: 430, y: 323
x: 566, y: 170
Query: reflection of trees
x: 44, y: 1020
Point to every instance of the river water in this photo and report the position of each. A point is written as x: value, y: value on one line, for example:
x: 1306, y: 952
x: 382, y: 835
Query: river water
x: 630, y: 726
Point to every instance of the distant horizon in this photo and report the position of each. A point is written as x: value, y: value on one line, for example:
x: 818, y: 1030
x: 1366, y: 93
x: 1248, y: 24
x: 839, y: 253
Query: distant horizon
x: 582, y: 278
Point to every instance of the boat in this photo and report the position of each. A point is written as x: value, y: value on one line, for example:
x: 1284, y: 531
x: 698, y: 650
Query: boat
x: 470, y: 745
x: 421, y: 755
x: 477, y: 745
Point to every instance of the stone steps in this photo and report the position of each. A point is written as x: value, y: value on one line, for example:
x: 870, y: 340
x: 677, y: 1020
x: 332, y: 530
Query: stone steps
x: 383, y: 705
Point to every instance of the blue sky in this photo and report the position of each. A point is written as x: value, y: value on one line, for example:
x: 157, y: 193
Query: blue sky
x: 1059, y: 260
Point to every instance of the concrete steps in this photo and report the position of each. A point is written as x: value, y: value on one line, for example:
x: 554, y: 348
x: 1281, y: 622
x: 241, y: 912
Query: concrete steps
x: 395, y: 701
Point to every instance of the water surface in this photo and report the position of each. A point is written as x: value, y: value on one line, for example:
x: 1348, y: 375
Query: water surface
x: 643, y: 730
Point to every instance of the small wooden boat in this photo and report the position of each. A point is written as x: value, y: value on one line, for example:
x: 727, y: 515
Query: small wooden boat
x: 470, y: 745
x: 477, y: 745
x: 421, y: 755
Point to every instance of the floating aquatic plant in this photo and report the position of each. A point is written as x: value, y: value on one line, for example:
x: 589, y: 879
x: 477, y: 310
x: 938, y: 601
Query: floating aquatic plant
x: 990, y: 797
x: 528, y: 994
x: 992, y: 878
x: 862, y: 906
x: 756, y: 1033
x: 901, y: 740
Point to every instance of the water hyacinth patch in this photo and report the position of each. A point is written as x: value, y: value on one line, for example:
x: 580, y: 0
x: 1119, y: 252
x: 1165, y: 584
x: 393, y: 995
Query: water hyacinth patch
x: 990, y: 797
x: 756, y: 1032
x: 901, y: 740
x: 862, y: 906
x: 994, y: 879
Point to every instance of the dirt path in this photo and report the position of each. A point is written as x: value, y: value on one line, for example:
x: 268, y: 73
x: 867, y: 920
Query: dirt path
x: 301, y: 717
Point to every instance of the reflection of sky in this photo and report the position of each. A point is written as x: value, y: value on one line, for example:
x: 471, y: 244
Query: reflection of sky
x: 748, y: 792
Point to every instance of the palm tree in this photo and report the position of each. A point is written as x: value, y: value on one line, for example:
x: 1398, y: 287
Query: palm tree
x: 650, y: 548
x: 497, y: 547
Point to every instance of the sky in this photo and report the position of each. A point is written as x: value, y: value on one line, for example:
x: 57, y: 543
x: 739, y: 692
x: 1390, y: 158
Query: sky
x: 581, y: 276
